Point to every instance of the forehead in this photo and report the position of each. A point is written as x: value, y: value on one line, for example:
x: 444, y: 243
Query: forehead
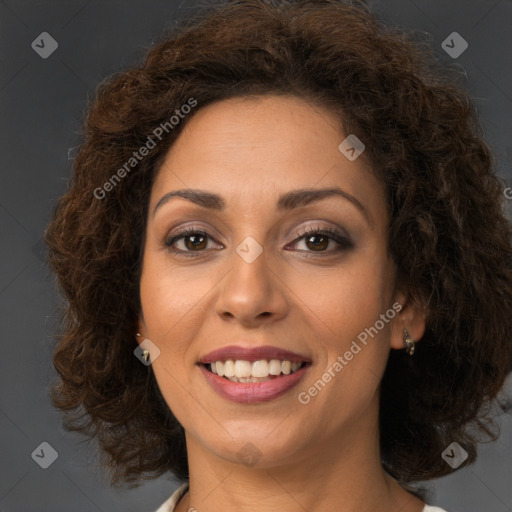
x: 250, y: 150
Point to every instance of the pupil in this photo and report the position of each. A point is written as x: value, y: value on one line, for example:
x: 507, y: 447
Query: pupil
x: 195, y: 244
x: 319, y: 245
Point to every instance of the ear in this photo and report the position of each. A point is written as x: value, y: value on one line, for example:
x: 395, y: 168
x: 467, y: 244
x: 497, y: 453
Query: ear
x: 142, y: 330
x: 410, y: 317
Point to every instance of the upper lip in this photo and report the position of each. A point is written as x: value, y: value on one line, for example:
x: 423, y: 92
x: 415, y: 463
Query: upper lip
x: 266, y: 352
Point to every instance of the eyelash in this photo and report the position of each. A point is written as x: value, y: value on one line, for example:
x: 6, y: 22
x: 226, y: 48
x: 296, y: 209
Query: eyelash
x: 343, y: 242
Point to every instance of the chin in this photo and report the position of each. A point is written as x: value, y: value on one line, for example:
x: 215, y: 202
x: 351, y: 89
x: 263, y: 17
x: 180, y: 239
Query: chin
x: 257, y: 445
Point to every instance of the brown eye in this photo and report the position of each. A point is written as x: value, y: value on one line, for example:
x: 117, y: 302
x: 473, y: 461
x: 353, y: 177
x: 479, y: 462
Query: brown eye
x: 317, y: 242
x: 195, y: 242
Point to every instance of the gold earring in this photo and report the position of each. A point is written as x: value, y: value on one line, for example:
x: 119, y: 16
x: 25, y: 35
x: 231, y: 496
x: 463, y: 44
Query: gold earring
x: 409, y: 342
x: 145, y: 353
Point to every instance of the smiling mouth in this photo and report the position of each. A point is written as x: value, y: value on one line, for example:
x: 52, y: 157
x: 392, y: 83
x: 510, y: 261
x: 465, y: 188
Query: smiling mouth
x: 251, y: 372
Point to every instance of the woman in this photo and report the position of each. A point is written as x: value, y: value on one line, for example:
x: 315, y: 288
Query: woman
x: 288, y: 274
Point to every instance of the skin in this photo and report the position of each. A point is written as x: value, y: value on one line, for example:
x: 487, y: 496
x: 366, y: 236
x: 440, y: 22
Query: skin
x: 315, y: 457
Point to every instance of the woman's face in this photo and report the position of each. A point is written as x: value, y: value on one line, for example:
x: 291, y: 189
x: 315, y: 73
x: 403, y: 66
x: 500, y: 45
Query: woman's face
x: 269, y: 268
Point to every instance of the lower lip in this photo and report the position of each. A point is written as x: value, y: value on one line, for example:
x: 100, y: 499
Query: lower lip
x: 253, y: 392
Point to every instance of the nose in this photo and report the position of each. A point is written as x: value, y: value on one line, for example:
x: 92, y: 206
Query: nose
x: 251, y: 292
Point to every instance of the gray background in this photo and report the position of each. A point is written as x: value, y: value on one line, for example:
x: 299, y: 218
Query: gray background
x: 42, y: 103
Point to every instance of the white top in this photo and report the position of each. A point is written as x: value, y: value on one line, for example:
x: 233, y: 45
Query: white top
x: 171, y: 503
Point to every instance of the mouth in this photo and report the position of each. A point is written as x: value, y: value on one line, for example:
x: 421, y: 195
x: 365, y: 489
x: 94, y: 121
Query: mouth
x: 249, y: 382
x: 250, y: 375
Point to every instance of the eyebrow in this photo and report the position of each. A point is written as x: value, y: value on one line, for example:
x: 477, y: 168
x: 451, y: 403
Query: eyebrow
x: 288, y: 201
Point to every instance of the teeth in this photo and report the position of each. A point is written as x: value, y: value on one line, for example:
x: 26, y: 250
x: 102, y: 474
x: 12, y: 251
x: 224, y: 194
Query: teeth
x: 274, y: 367
x: 242, y: 369
x: 229, y: 368
x: 245, y: 371
x: 260, y: 369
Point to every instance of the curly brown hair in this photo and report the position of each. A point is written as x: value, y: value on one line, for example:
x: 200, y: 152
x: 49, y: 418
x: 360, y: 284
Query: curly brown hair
x: 447, y: 233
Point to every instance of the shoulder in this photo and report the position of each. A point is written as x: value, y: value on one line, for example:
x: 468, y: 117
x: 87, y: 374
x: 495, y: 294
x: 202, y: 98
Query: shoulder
x: 171, y: 503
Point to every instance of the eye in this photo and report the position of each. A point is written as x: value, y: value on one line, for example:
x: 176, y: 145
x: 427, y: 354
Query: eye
x: 194, y: 240
x: 317, y: 240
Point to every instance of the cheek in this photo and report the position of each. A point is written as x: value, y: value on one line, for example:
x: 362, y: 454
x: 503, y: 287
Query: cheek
x: 347, y: 306
x: 350, y: 297
x: 170, y: 294
x: 171, y: 302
